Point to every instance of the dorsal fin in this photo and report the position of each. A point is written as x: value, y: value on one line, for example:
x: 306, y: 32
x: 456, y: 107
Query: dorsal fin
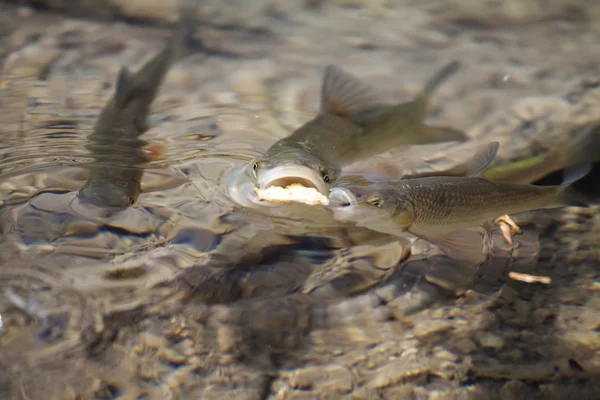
x: 482, y: 158
x: 344, y: 95
x: 124, y: 83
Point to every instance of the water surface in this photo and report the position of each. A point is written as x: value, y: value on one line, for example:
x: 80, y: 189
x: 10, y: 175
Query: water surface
x: 190, y: 294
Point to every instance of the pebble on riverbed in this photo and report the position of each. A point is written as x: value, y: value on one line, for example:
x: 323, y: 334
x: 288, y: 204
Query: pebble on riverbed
x: 491, y: 341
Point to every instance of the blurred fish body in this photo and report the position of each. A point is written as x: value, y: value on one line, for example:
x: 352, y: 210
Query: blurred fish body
x: 444, y: 209
x: 583, y: 146
x: 352, y: 125
x: 115, y: 174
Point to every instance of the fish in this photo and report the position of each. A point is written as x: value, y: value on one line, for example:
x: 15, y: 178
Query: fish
x: 583, y: 146
x: 445, y: 209
x: 352, y: 124
x: 115, y: 175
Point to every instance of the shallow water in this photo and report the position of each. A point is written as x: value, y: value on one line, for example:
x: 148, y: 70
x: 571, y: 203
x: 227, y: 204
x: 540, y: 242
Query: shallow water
x: 187, y: 293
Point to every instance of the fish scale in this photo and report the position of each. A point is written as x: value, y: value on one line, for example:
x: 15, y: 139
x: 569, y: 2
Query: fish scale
x: 444, y: 209
x: 457, y: 202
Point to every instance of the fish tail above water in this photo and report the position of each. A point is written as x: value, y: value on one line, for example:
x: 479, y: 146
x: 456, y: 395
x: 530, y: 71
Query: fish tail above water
x: 143, y: 86
x: 114, y: 181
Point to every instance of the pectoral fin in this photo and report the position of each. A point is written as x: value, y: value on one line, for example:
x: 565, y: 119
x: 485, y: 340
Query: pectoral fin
x: 344, y: 95
x: 464, y: 245
x: 472, y: 167
x: 482, y: 159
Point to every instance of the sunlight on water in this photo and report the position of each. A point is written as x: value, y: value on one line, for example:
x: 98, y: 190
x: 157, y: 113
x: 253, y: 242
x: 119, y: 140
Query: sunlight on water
x: 146, y: 262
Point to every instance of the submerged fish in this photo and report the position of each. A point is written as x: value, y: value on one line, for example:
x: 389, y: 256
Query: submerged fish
x: 444, y: 209
x: 352, y: 125
x: 583, y: 146
x: 115, y: 175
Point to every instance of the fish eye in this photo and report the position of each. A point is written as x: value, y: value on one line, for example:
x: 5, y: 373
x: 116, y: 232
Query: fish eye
x: 375, y: 201
x: 326, y: 177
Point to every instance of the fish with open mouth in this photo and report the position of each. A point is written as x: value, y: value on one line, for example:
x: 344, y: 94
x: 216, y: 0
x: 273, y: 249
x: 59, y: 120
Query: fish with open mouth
x: 445, y: 209
x: 352, y: 125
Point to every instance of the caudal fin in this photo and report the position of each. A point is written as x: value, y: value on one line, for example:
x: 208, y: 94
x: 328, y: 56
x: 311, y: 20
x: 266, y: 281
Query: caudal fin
x: 440, y: 77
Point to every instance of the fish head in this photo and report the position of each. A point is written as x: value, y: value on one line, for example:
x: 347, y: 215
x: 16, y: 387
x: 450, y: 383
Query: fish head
x: 377, y: 206
x: 284, y: 171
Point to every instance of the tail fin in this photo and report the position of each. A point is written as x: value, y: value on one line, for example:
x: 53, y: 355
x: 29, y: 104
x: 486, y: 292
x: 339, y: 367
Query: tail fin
x: 440, y: 77
x: 124, y: 83
x: 567, y: 195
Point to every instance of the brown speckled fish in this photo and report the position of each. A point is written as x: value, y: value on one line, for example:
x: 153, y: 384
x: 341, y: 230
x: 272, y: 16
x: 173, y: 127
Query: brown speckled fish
x: 443, y: 209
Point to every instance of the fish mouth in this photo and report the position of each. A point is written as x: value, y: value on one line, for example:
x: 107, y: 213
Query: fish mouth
x: 287, y: 175
x: 340, y: 197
